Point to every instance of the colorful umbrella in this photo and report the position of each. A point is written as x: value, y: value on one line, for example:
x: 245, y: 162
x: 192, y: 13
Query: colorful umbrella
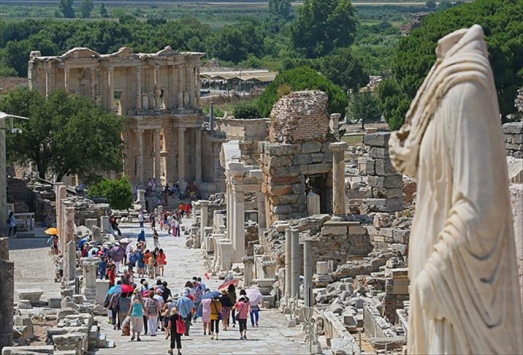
x: 211, y: 295
x: 123, y: 288
x: 254, y: 295
x: 227, y: 283
x: 51, y: 231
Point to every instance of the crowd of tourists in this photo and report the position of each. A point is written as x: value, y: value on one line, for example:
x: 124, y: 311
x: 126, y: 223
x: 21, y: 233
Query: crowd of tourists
x: 138, y: 309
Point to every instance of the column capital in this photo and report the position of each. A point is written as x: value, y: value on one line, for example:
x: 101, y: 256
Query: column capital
x: 338, y: 146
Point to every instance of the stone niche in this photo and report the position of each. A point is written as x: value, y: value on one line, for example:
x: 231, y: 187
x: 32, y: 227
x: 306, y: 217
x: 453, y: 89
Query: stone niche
x: 297, y: 159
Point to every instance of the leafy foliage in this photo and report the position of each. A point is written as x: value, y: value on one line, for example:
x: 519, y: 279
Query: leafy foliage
x: 85, y: 8
x: 66, y: 8
x: 322, y: 26
x: 245, y: 110
x: 118, y: 192
x: 364, y: 106
x: 65, y: 135
x: 297, y: 79
x: 501, y: 22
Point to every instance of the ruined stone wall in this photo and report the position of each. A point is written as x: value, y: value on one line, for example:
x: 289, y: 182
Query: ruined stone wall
x: 243, y: 129
x: 385, y: 185
x: 20, y: 195
x: 513, y: 132
x: 298, y: 149
x: 285, y: 168
x: 300, y: 117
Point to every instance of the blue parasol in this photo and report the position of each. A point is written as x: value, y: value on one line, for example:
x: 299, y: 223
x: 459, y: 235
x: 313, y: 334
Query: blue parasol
x: 211, y: 295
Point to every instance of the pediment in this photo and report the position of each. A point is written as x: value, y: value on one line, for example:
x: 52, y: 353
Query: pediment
x: 80, y: 53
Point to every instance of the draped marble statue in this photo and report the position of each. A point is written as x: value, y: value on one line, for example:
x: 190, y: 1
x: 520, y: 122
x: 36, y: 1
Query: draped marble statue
x: 464, y: 290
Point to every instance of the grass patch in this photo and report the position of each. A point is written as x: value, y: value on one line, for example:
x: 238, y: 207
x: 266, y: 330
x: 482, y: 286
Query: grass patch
x: 353, y: 139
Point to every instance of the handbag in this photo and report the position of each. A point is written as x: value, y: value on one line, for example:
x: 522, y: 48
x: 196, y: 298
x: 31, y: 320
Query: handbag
x: 180, y: 326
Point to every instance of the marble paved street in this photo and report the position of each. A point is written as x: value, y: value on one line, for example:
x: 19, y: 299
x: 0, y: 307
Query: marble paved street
x: 34, y: 269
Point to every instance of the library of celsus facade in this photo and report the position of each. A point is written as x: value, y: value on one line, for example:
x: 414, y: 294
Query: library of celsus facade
x: 158, y: 93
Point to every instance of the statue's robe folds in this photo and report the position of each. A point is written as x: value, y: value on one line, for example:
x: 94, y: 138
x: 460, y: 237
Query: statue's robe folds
x: 464, y: 289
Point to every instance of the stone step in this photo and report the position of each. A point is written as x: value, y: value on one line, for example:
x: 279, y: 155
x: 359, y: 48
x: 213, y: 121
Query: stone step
x: 110, y: 344
x: 102, y: 340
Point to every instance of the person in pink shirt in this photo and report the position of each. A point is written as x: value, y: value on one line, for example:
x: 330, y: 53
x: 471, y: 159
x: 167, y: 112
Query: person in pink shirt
x: 242, y: 307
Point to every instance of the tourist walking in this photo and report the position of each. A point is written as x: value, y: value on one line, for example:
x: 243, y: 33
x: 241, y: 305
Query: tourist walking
x: 137, y: 312
x: 153, y: 312
x: 11, y: 222
x: 141, y: 218
x: 172, y: 329
x: 161, y: 261
x: 226, y: 309
x: 216, y: 314
x: 205, y: 306
x: 242, y: 306
x: 185, y: 308
x: 232, y: 295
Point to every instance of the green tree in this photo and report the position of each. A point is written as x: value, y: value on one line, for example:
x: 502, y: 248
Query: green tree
x: 364, y: 106
x: 297, y: 79
x: 66, y: 8
x: 280, y: 8
x: 344, y: 69
x: 501, y: 22
x: 103, y: 11
x: 65, y: 135
x: 85, y: 8
x: 118, y: 192
x: 234, y: 43
x: 431, y: 4
x: 322, y: 26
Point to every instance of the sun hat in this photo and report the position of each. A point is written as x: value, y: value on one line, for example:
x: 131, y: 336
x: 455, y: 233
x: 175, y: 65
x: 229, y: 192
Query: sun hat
x: 174, y: 311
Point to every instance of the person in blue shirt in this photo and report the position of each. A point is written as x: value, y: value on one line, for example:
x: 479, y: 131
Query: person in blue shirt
x: 141, y: 236
x: 185, y: 308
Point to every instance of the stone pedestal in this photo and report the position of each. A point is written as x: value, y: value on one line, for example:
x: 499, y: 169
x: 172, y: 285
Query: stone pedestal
x: 90, y: 223
x: 307, y: 272
x: 7, y: 284
x: 248, y: 263
x: 102, y: 286
x: 322, y: 267
x: 338, y: 178
x: 141, y: 199
x: 89, y: 271
x: 295, y: 263
x: 313, y: 204
x: 105, y: 225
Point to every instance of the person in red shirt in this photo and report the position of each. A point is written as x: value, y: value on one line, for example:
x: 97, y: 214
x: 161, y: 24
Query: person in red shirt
x: 111, y: 273
x: 188, y: 210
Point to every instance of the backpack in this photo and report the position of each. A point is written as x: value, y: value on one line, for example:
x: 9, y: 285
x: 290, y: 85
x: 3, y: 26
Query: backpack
x: 152, y: 306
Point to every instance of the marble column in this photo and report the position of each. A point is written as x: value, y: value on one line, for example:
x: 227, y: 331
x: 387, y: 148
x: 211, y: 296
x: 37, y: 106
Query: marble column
x: 198, y: 156
x: 3, y: 181
x: 89, y: 282
x: 198, y: 87
x: 7, y: 285
x: 157, y: 86
x: 260, y: 202
x: 181, y: 158
x: 69, y: 265
x: 141, y: 199
x: 307, y: 272
x: 60, y: 194
x: 295, y: 263
x: 139, y: 161
x: 92, y: 82
x: 338, y: 178
x: 181, y: 84
x: 47, y: 81
x: 288, y: 262
x: 70, y: 261
x: 191, y: 85
x: 110, y: 81
x: 157, y: 157
x: 230, y: 209
x: 248, y: 264
x: 204, y: 219
x: 334, y: 124
x: 66, y: 79
x: 139, y: 86
x: 239, y: 221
